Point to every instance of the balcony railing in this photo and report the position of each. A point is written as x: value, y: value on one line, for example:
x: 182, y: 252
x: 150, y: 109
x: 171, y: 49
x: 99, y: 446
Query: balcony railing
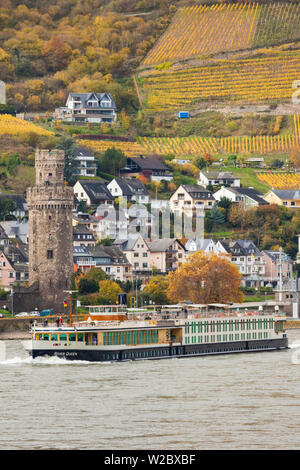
x: 85, y: 263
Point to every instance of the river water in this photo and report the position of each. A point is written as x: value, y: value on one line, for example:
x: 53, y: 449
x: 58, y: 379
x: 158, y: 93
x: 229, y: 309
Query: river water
x: 240, y: 401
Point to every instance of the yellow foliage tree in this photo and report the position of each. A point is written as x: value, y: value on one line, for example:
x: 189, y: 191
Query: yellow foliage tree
x: 109, y: 291
x: 157, y: 289
x: 4, y: 57
x: 205, y: 279
x: 125, y: 120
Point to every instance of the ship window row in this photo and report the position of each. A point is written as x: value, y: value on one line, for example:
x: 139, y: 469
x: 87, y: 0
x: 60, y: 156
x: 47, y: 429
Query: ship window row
x: 140, y: 354
x: 130, y: 337
x: 228, y: 325
x: 224, y: 338
x: 60, y: 337
x: 109, y: 338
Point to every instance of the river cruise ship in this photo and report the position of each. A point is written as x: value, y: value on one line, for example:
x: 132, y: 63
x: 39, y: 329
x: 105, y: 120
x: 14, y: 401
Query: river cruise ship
x: 159, y: 337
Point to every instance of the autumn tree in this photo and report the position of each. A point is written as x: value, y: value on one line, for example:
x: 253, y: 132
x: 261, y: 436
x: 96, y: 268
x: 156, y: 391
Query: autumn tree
x: 87, y: 283
x: 125, y: 120
x: 57, y: 53
x: 109, y: 291
x: 157, y: 289
x: 205, y: 279
x: 237, y: 216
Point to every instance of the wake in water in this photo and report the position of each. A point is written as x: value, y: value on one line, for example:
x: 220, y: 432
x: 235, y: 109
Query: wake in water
x: 45, y: 360
x: 57, y: 361
x: 295, y: 356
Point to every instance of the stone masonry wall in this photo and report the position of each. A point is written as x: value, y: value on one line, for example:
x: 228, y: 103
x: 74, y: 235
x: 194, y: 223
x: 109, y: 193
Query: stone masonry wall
x: 50, y: 205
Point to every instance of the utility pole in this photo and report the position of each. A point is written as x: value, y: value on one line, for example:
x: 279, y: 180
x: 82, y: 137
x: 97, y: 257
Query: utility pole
x: 280, y: 274
x: 70, y: 292
x: 12, y: 300
x: 296, y: 313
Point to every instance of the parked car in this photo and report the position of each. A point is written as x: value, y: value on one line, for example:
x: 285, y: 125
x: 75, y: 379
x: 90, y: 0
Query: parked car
x: 2, y: 315
x: 34, y: 314
x: 45, y: 313
x: 22, y: 314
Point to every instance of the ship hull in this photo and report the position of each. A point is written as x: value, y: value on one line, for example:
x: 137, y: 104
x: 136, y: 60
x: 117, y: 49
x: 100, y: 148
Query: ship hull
x: 163, y: 352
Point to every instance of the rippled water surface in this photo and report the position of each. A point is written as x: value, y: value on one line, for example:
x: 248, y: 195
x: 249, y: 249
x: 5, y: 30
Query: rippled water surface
x: 242, y: 401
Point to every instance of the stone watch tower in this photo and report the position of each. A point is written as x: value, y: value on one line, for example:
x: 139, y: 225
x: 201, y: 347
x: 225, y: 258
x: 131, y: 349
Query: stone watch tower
x: 50, y: 205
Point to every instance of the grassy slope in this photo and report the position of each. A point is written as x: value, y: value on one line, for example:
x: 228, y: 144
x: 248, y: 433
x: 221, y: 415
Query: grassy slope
x: 248, y: 177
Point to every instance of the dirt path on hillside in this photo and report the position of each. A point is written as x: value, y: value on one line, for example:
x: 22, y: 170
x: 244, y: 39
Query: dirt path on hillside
x: 279, y: 110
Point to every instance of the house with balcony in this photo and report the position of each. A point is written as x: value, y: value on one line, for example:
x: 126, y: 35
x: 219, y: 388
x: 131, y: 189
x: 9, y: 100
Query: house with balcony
x: 112, y: 261
x: 215, y: 178
x: 82, y: 259
x: 191, y: 197
x: 88, y: 107
x: 166, y: 254
x: 150, y: 167
x: 277, y: 264
x: 137, y: 251
x: 247, y: 258
x: 246, y: 197
x: 87, y: 165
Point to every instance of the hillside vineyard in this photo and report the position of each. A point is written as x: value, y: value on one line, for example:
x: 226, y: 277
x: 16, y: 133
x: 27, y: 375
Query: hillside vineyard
x: 253, y: 80
x: 203, y: 29
x: 196, y: 145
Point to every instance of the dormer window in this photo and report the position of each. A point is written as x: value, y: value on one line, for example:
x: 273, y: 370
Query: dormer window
x: 92, y: 104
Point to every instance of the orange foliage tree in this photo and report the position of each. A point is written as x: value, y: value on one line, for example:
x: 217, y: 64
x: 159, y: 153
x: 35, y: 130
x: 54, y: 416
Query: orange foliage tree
x: 205, y: 279
x: 57, y: 53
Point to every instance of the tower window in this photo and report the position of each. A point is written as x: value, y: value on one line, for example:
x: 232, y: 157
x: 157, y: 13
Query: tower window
x: 49, y: 254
